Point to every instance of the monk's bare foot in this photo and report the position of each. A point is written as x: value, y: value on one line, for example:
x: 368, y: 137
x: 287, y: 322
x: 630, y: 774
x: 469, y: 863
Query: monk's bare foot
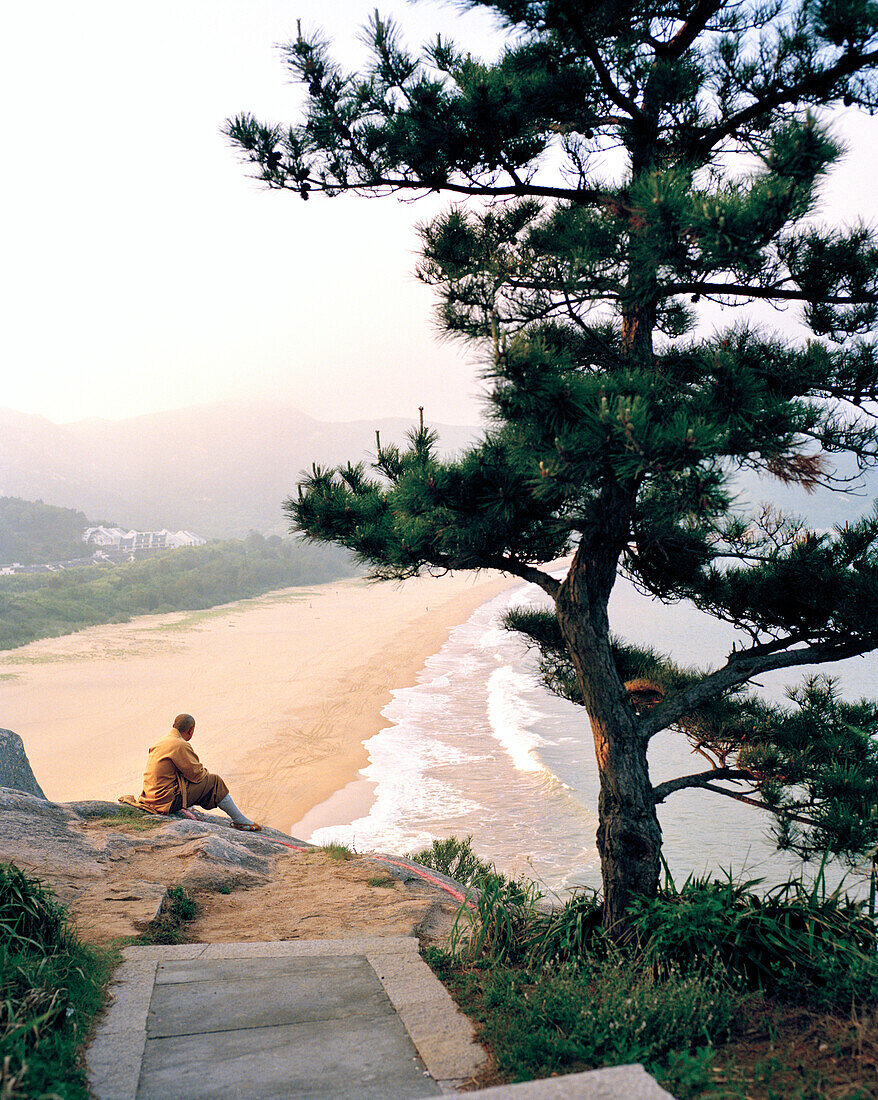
x: 189, y: 814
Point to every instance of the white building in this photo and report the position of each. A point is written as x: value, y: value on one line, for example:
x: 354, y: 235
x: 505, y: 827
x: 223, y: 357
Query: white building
x: 103, y: 536
x: 116, y: 538
x: 184, y: 538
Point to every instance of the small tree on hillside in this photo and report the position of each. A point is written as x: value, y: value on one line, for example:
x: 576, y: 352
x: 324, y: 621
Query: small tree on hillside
x: 633, y: 160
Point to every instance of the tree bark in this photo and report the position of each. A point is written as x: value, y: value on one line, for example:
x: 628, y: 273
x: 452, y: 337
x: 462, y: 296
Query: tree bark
x: 629, y: 835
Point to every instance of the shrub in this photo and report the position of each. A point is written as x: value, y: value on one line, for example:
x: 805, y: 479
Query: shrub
x: 555, y: 995
x: 181, y: 904
x: 339, y: 852
x: 796, y: 939
x: 455, y: 858
x: 51, y: 987
x: 567, y: 934
x: 498, y: 922
x: 799, y: 940
x: 178, y: 907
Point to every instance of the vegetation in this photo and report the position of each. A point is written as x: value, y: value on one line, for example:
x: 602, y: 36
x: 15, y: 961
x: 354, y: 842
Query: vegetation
x: 51, y: 988
x: 49, y: 604
x: 608, y: 1014
x: 454, y: 857
x: 706, y: 971
x: 383, y: 881
x: 178, y: 908
x: 32, y: 532
x: 341, y: 853
x: 131, y: 819
x: 629, y: 165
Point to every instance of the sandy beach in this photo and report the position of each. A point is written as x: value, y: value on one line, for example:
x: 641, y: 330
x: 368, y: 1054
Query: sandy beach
x: 285, y: 689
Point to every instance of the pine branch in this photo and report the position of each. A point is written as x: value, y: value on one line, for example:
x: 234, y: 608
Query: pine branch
x: 765, y: 103
x: 527, y: 572
x: 742, y: 666
x: 777, y: 810
x: 700, y: 779
x: 699, y: 17
x: 591, y: 51
x: 584, y: 196
x: 774, y: 292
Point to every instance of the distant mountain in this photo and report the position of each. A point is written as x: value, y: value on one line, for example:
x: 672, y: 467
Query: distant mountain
x: 218, y: 470
x: 222, y: 470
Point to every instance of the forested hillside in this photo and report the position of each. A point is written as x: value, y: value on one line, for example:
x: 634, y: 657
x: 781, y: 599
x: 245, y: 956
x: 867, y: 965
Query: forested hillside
x: 49, y: 604
x: 32, y: 532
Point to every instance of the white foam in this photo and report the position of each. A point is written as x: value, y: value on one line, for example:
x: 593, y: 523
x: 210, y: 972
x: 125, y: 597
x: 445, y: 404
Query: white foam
x: 459, y: 757
x: 478, y: 747
x: 512, y: 720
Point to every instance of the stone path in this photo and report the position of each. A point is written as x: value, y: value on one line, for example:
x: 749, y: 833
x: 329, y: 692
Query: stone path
x: 358, y: 1019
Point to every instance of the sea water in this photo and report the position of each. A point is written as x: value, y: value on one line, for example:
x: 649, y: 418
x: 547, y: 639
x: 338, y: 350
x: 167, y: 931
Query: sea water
x: 478, y: 747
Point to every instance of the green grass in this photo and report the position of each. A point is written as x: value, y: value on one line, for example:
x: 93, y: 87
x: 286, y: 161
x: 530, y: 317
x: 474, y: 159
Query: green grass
x: 796, y: 939
x: 612, y: 1012
x: 385, y: 881
x: 178, y: 908
x: 194, y: 618
x: 181, y: 904
x: 704, y: 977
x: 30, y: 918
x: 339, y: 852
x: 51, y: 989
x: 132, y: 819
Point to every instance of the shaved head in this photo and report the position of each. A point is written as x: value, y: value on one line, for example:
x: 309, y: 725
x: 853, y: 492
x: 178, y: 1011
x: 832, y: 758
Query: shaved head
x: 183, y: 723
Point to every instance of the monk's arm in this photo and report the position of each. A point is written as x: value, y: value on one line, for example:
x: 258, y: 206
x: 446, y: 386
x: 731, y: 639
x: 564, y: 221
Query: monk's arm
x: 187, y: 764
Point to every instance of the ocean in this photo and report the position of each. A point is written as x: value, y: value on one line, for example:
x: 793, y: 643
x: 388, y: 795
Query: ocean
x: 479, y: 748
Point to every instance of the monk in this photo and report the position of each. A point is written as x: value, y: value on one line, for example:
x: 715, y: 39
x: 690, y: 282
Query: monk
x: 175, y: 779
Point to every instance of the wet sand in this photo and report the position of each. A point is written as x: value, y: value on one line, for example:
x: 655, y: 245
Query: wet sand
x: 285, y: 689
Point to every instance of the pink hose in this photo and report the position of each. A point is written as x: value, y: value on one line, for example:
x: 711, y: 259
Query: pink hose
x: 415, y: 870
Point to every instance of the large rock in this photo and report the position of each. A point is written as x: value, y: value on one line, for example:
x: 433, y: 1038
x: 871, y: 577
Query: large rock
x: 114, y: 876
x: 112, y: 866
x: 15, y: 769
x: 113, y: 880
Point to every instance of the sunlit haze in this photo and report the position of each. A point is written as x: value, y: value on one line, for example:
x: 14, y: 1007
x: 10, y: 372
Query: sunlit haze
x: 143, y: 270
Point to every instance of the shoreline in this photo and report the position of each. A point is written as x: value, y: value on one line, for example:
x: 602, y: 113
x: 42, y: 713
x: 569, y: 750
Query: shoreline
x: 352, y: 801
x: 285, y: 688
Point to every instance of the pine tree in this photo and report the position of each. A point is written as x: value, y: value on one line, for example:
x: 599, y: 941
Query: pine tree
x: 624, y: 163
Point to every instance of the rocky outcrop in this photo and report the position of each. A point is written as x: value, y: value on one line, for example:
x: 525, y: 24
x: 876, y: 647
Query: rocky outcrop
x: 114, y: 872
x: 112, y: 866
x: 15, y: 769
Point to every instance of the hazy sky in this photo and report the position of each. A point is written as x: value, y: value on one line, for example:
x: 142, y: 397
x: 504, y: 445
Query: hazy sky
x: 142, y: 269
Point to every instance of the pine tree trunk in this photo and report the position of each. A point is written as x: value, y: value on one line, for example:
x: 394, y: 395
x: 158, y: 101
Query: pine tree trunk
x: 629, y: 837
x: 629, y: 834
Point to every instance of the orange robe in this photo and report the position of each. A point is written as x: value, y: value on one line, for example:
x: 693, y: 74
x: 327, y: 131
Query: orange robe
x: 169, y: 759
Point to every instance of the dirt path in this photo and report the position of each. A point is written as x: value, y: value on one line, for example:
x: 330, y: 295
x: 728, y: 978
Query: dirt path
x: 314, y: 896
